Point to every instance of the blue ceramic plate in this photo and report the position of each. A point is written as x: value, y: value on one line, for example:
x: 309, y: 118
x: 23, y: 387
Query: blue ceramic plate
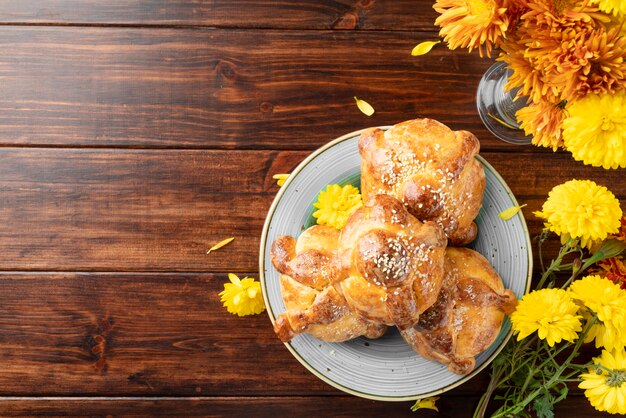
x: 386, y: 368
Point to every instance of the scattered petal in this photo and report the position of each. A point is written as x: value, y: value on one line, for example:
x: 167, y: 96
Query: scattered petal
x: 364, y: 107
x: 280, y: 178
x: 221, y: 244
x: 510, y: 212
x: 424, y: 48
x: 426, y: 403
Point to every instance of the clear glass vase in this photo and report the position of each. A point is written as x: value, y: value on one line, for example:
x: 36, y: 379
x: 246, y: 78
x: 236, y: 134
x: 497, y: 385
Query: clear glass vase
x: 497, y: 106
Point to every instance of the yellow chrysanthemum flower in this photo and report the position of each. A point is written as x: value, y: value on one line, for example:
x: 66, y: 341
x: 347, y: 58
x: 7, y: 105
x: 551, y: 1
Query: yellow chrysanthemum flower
x: 550, y: 312
x: 595, y: 130
x: 611, y: 6
x: 608, y: 301
x: 583, y: 210
x: 336, y: 204
x: 605, y: 385
x: 242, y: 296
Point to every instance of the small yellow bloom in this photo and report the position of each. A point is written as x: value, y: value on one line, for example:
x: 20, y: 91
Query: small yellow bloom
x: 280, y: 178
x: 605, y: 384
x: 507, y: 214
x: 424, y: 48
x: 220, y: 244
x: 608, y: 301
x: 242, y: 296
x: 582, y: 210
x: 550, y: 312
x: 426, y: 403
x: 336, y: 204
x: 595, y: 130
x: 364, y: 107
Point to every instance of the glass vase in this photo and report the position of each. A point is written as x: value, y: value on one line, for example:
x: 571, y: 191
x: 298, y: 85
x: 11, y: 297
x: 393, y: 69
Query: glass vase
x: 497, y: 106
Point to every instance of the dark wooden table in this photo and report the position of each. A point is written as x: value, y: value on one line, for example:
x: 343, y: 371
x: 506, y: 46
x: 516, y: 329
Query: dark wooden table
x: 135, y: 133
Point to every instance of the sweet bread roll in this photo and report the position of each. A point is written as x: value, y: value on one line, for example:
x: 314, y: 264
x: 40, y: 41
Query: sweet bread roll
x: 309, y: 274
x: 393, y: 262
x: 431, y: 169
x: 467, y: 316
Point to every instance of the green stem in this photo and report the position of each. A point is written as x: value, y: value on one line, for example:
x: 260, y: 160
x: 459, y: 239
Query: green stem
x: 497, y: 378
x: 555, y: 265
x: 586, y: 264
x: 548, y: 385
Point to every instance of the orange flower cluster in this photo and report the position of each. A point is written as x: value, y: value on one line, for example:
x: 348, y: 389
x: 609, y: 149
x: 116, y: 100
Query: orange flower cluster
x: 559, y: 51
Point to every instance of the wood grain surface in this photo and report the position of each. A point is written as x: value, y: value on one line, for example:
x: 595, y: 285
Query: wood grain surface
x: 135, y: 134
x: 263, y: 407
x: 216, y: 88
x: 389, y: 15
x: 160, y: 210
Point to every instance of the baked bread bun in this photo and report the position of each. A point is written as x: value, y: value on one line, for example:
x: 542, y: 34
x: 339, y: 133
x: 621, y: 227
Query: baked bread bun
x: 467, y: 316
x: 308, y: 282
x: 393, y: 263
x: 429, y: 168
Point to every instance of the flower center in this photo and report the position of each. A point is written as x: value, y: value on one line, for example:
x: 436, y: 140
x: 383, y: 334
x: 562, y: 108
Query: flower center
x: 560, y: 5
x: 481, y: 8
x: 607, y: 123
x: 585, y: 209
x: 616, y: 377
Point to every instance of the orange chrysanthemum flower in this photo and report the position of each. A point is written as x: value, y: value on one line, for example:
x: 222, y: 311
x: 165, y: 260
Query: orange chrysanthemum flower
x: 613, y: 269
x: 524, y: 74
x: 543, y: 121
x: 562, y: 50
x: 473, y: 24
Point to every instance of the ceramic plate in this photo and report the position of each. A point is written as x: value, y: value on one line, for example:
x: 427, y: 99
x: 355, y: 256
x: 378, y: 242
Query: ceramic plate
x: 386, y: 368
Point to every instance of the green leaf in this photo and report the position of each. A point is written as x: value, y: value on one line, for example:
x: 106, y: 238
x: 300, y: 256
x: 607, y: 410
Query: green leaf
x: 543, y: 406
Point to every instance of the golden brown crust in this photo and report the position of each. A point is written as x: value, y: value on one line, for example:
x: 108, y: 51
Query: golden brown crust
x: 393, y: 262
x: 309, y: 271
x: 428, y: 167
x: 468, y: 314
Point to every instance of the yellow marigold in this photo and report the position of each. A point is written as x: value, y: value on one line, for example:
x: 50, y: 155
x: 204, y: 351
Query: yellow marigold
x: 581, y: 209
x: 480, y: 24
x: 611, y: 6
x: 242, y: 296
x: 608, y: 301
x: 543, y: 121
x: 336, y: 204
x: 550, y: 312
x: 595, y: 130
x: 605, y: 384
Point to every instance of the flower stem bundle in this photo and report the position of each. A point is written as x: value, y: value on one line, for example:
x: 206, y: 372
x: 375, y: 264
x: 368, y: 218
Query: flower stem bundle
x: 553, y: 322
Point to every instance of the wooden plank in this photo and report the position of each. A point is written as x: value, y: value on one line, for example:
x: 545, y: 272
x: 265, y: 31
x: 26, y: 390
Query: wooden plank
x: 449, y: 407
x: 285, y: 14
x: 232, y: 407
x: 210, y: 88
x: 159, y: 210
x: 122, y: 334
x: 141, y: 335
